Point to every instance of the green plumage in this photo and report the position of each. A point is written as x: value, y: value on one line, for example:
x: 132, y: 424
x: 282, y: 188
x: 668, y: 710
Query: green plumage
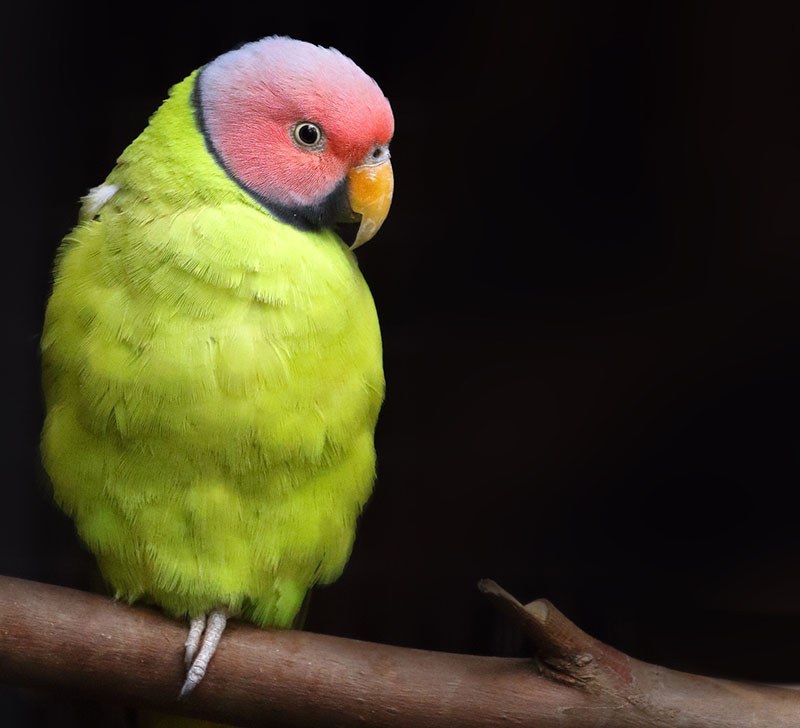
x: 212, y: 378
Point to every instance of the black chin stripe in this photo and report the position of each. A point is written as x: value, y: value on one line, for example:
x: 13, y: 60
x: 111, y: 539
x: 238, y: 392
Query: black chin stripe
x: 318, y: 216
x: 323, y: 214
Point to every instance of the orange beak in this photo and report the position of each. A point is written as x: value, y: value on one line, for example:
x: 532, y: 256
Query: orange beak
x: 371, y: 188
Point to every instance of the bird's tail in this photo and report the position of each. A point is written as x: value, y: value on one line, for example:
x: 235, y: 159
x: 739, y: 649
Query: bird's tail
x: 148, y: 719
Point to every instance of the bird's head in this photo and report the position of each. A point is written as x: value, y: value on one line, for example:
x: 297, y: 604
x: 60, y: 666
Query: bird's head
x: 303, y: 130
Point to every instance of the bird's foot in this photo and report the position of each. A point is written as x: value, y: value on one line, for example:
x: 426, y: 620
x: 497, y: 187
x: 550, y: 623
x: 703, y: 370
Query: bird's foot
x: 197, y: 665
x: 192, y: 644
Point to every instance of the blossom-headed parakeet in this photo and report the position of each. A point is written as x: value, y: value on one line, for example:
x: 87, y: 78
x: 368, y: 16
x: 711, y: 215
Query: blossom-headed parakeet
x: 211, y: 353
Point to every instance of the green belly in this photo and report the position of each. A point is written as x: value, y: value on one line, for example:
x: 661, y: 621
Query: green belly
x: 212, y: 380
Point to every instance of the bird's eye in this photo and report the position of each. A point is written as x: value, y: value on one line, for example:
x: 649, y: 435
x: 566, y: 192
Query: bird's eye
x: 307, y: 134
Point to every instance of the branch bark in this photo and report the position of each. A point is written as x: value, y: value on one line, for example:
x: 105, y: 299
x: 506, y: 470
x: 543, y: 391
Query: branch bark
x: 68, y: 640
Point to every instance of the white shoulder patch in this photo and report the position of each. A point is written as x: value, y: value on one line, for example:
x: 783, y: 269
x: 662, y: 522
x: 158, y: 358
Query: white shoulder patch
x: 96, y: 198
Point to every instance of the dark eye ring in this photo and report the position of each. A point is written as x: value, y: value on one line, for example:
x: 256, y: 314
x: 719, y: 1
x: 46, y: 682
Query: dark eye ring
x: 307, y: 134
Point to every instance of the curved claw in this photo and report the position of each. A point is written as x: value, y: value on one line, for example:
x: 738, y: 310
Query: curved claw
x: 214, y: 629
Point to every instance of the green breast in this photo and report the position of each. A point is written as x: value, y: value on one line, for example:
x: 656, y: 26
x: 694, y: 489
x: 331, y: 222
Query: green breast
x: 213, y: 378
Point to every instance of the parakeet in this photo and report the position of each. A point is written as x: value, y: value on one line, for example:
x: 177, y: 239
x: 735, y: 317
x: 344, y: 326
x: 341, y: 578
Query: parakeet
x: 211, y: 354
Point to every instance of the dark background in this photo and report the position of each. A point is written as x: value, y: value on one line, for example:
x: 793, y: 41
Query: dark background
x: 588, y: 287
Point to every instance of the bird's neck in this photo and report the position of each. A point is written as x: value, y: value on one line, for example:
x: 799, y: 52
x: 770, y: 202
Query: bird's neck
x: 169, y: 164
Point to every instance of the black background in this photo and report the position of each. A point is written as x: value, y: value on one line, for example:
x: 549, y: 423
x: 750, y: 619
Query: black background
x: 588, y: 287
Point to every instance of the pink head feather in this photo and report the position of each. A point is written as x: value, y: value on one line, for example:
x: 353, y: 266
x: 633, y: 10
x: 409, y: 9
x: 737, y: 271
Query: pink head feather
x: 251, y: 98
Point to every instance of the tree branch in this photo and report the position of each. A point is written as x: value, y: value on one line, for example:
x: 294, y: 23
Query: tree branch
x: 63, y: 639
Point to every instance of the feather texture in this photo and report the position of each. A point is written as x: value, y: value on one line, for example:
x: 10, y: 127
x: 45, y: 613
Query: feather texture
x: 213, y: 379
